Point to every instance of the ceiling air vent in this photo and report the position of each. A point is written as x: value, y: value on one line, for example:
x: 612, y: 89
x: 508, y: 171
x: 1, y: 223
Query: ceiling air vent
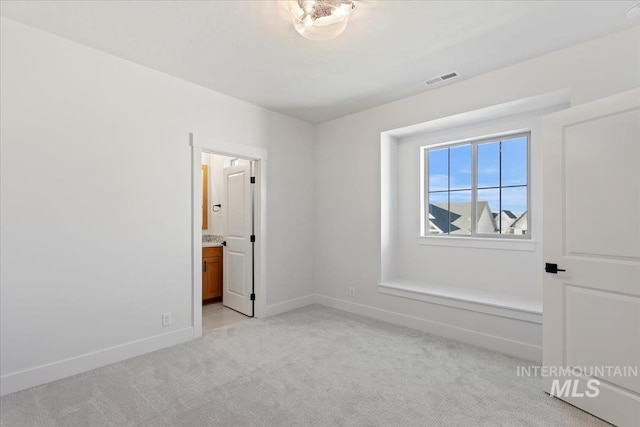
x: 442, y: 78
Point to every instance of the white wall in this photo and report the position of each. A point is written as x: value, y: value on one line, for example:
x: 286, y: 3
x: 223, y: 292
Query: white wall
x: 96, y: 205
x: 347, y: 156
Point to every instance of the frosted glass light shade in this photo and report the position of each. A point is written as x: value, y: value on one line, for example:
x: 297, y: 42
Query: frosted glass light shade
x: 321, y: 19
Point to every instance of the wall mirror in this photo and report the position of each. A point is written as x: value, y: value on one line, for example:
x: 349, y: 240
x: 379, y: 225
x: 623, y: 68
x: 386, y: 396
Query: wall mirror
x: 205, y: 197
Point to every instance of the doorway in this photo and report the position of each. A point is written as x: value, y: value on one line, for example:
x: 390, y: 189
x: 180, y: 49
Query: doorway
x: 228, y: 228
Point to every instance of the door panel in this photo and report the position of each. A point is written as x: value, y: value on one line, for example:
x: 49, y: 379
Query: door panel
x: 592, y: 334
x: 591, y: 208
x: 238, y: 252
x: 594, y: 195
x: 236, y: 268
x: 236, y: 200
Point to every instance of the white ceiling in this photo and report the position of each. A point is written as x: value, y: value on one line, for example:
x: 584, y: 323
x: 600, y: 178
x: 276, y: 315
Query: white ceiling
x: 249, y: 49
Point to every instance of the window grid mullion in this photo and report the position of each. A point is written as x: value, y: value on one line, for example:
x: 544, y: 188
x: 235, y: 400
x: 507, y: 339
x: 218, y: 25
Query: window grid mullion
x: 474, y: 186
x: 449, y: 190
x: 500, y: 190
x: 495, y: 187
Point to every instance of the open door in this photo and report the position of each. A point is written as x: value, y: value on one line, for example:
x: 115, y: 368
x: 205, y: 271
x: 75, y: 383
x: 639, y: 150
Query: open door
x: 591, y: 326
x: 237, y: 291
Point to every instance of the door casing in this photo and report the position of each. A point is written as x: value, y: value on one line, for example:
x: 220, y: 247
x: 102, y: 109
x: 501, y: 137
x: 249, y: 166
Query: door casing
x: 204, y: 144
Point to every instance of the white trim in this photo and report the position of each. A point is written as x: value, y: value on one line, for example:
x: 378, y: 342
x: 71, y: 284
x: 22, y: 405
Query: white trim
x: 519, y: 106
x: 492, y: 342
x: 479, y: 139
x: 227, y: 148
x: 43, y: 374
x: 493, y: 303
x: 196, y: 238
x: 199, y: 144
x: 505, y: 243
x: 389, y: 200
x: 292, y: 304
x: 260, y: 227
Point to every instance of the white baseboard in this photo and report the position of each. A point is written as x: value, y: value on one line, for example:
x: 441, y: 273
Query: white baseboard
x: 39, y: 375
x: 292, y: 304
x: 504, y: 345
x: 43, y: 374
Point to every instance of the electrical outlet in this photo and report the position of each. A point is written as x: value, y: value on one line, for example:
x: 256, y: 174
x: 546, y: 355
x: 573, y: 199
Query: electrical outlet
x: 166, y: 319
x: 352, y: 291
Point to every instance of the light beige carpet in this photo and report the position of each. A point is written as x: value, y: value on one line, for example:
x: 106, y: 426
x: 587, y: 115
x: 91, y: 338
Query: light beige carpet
x: 311, y: 367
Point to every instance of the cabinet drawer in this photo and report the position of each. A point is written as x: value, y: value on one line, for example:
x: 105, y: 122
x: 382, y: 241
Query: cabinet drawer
x: 214, y: 251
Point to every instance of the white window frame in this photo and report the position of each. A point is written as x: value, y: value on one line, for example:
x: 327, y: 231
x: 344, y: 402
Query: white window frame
x: 474, y: 142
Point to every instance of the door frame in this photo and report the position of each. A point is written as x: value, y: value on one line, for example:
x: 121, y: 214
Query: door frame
x: 204, y: 144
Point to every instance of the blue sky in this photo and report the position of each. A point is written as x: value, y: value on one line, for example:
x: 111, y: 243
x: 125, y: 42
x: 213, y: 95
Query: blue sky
x: 514, y: 172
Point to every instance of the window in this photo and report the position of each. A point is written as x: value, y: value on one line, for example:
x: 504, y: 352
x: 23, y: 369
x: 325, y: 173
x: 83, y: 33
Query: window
x: 478, y: 188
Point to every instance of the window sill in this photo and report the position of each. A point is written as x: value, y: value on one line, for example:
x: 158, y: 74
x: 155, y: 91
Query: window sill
x: 480, y: 243
x: 489, y: 302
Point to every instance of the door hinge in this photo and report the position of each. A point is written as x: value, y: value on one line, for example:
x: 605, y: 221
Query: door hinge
x: 253, y: 180
x: 253, y: 238
x: 253, y: 297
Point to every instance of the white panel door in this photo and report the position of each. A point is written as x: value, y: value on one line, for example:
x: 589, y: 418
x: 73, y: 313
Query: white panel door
x: 238, y: 254
x: 592, y: 230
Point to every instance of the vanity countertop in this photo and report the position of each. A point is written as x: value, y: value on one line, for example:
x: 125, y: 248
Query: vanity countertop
x: 211, y: 244
x: 211, y: 240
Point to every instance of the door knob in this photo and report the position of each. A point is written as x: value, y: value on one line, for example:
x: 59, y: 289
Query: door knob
x: 552, y: 268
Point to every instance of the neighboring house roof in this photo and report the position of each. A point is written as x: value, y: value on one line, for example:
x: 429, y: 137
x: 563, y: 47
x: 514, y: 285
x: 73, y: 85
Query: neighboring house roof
x: 458, y: 217
x: 507, y: 213
x: 440, y: 218
x: 522, y: 218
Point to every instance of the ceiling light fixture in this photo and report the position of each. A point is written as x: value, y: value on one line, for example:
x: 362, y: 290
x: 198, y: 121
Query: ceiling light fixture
x: 634, y: 11
x: 321, y: 19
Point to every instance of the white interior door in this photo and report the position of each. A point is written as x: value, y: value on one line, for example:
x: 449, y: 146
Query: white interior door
x: 237, y: 291
x: 592, y: 230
